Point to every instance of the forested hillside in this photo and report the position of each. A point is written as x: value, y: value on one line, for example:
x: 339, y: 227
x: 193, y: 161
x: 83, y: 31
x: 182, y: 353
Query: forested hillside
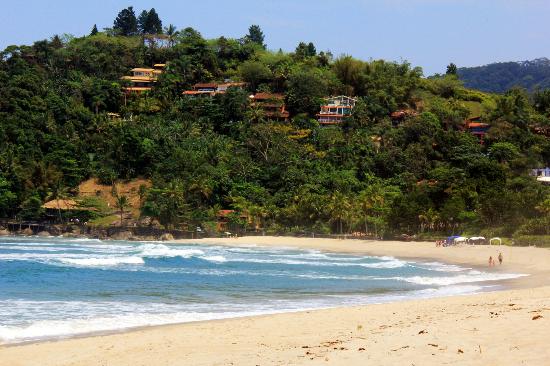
x: 64, y: 118
x: 500, y: 77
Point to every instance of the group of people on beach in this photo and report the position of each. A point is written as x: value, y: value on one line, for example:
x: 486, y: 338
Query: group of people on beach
x: 492, y: 261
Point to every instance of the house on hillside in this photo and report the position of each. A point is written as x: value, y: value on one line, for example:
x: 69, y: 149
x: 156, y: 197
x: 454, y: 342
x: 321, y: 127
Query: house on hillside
x: 541, y: 130
x: 211, y: 89
x: 273, y: 105
x: 402, y: 114
x: 143, y: 79
x: 542, y: 175
x: 335, y: 110
x: 225, y: 220
x: 477, y: 128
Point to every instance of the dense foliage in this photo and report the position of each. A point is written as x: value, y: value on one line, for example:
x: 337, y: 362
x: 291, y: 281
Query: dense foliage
x: 373, y: 174
x: 502, y: 76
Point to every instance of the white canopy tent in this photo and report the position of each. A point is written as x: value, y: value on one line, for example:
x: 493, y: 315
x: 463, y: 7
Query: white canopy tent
x: 499, y: 240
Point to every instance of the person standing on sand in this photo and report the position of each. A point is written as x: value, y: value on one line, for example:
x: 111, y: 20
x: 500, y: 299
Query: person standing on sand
x: 500, y: 258
x: 490, y: 261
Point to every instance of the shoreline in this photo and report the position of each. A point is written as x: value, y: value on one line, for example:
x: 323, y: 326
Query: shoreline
x: 525, y: 260
x: 532, y: 261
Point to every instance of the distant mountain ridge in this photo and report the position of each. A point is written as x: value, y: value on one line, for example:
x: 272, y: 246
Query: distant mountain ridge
x: 500, y: 77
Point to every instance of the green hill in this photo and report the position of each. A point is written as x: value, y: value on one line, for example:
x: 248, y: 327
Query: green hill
x: 403, y: 162
x: 500, y: 77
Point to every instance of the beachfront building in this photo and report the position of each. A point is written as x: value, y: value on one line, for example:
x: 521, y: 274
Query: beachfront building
x: 335, y: 110
x: 542, y: 174
x: 228, y: 220
x: 211, y: 89
x: 272, y: 105
x: 477, y: 128
x: 143, y: 79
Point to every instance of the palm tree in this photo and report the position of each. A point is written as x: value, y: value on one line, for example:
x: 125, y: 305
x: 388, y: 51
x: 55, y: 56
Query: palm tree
x: 366, y: 204
x: 121, y: 203
x: 202, y: 187
x: 58, y: 192
x: 338, y: 207
x: 172, y: 33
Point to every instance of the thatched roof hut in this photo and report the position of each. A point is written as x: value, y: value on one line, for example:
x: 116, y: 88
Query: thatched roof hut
x: 66, y: 205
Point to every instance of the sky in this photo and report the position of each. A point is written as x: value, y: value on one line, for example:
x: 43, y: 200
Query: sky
x: 427, y: 33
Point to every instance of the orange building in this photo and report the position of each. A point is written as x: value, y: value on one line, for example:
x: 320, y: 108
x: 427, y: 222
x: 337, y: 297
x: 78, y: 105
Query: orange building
x: 143, y: 79
x: 477, y: 128
x: 273, y: 105
x: 335, y: 110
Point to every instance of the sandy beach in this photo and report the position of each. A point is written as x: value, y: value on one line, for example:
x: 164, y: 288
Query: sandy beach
x: 510, y: 327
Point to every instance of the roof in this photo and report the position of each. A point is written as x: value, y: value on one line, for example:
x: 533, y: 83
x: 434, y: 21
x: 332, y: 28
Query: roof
x: 138, y: 78
x: 65, y: 205
x: 138, y: 88
x: 341, y: 100
x: 474, y: 119
x: 224, y: 213
x: 205, y: 85
x: 267, y: 96
x: 198, y: 92
x: 229, y: 85
x: 159, y: 65
x: 477, y: 125
x: 141, y: 69
x: 344, y: 106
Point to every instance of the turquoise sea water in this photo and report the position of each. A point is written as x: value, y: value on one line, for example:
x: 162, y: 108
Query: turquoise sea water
x: 54, y: 287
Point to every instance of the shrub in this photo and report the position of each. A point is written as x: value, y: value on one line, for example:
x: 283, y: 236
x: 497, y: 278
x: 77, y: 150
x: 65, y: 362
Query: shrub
x: 536, y: 226
x: 532, y: 240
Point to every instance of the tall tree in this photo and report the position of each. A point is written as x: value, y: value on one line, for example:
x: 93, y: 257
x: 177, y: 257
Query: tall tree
x: 125, y: 23
x: 304, y: 50
x: 121, y: 204
x: 452, y: 69
x: 142, y: 22
x: 255, y: 35
x: 149, y: 22
x: 94, y: 30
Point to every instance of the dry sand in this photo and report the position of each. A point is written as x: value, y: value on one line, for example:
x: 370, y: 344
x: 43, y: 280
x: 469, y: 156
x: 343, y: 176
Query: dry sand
x: 509, y: 327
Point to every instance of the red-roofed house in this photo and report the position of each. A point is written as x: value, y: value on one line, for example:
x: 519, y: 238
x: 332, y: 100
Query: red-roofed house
x: 273, y: 105
x: 477, y: 128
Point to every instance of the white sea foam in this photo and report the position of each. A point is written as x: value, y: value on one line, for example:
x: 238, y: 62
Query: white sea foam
x: 130, y: 315
x: 328, y: 262
x: 106, y: 261
x: 395, y: 263
x: 470, y: 277
x: 215, y: 258
x: 47, y: 329
x: 85, y: 240
x: 441, y: 267
x: 161, y: 250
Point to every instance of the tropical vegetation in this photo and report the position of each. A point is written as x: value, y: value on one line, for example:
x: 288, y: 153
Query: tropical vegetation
x: 373, y: 174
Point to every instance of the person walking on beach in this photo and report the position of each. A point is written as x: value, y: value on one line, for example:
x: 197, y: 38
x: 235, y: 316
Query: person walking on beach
x: 490, y: 261
x: 500, y: 258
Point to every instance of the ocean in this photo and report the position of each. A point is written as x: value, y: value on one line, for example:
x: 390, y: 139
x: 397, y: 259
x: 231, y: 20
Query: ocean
x: 53, y: 288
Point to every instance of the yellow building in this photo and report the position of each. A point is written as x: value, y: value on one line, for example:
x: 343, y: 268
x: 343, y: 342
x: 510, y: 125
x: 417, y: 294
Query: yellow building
x: 143, y: 79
